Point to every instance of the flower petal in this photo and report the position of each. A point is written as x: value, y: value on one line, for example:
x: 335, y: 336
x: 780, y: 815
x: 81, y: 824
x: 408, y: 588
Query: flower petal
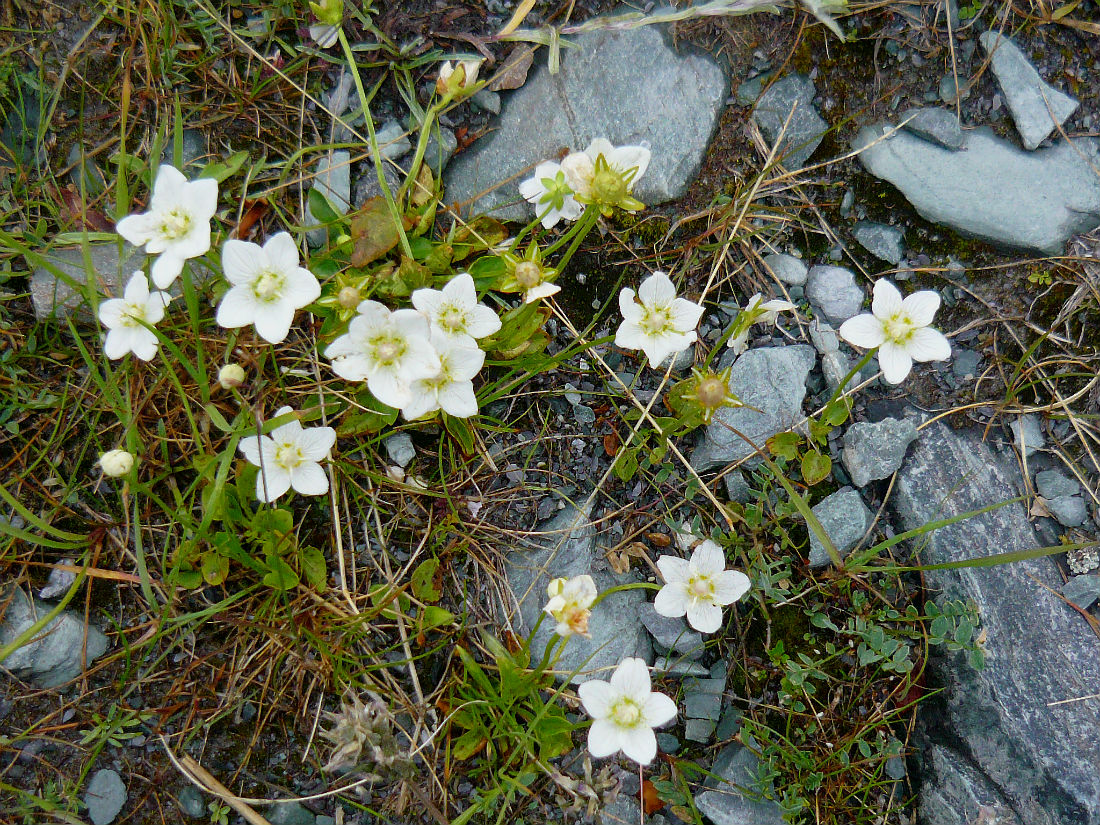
x: 638, y: 743
x: 309, y: 479
x: 423, y: 399
x: 603, y: 738
x: 237, y: 308
x: 242, y: 260
x: 137, y: 229
x: 730, y: 585
x: 863, y: 331
x: 143, y: 343
x: 631, y: 678
x: 894, y: 361
x: 458, y: 399
x: 671, y: 600
x: 708, y: 559
x: 624, y: 158
x: 388, y: 388
x: 316, y: 443
x: 673, y: 568
x: 685, y: 314
x: 482, y: 321
x: 271, y: 482
x: 273, y: 322
x: 657, y: 290
x: 282, y: 252
x: 165, y: 269
x: 250, y: 447
x: 921, y: 307
x: 596, y: 695
x: 658, y: 710
x: 301, y: 288
x: 928, y: 344
x: 885, y: 300
x: 706, y: 617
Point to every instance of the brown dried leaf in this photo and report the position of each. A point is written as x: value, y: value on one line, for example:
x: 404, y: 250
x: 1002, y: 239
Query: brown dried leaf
x: 513, y: 72
x: 619, y: 560
x: 373, y: 231
x: 611, y: 444
x: 659, y: 539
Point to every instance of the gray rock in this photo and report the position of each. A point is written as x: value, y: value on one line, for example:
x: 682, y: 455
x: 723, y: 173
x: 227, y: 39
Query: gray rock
x: 623, y: 810
x: 1028, y: 433
x: 56, y: 288
x: 671, y: 633
x: 1083, y: 591
x: 567, y: 548
x: 332, y: 178
x: 1037, y: 653
x: 748, y: 92
x: 289, y: 813
x: 874, y: 451
x: 85, y: 173
x: 733, y: 798
x: 954, y: 793
x: 193, y: 154
x: 845, y: 519
x: 953, y: 88
x: 1055, y: 484
x: 703, y: 698
x: 19, y: 132
x: 881, y: 240
x: 771, y: 379
x: 699, y: 730
x: 823, y: 336
x: 597, y: 94
x: 105, y: 796
x: 1069, y: 511
x: 992, y: 190
x: 834, y: 366
x: 367, y: 185
x: 680, y: 361
x: 400, y: 449
x: 486, y: 101
x: 936, y: 125
x: 441, y: 147
x: 737, y: 489
x: 678, y: 666
x: 787, y: 268
x: 833, y: 290
x: 1037, y: 108
x: 964, y: 363
x: 54, y: 656
x: 806, y: 128
x: 191, y: 802
x: 393, y: 142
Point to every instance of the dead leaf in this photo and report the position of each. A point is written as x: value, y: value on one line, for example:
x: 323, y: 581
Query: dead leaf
x: 611, y: 444
x: 619, y: 560
x: 253, y: 214
x: 1039, y: 508
x: 651, y: 802
x: 659, y: 539
x: 513, y: 71
x: 424, y: 188
x: 373, y: 231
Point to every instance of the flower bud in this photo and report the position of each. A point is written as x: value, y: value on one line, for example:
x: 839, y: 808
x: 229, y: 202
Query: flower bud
x: 349, y: 297
x: 455, y: 77
x: 329, y: 12
x: 528, y: 274
x: 231, y: 376
x: 115, y: 463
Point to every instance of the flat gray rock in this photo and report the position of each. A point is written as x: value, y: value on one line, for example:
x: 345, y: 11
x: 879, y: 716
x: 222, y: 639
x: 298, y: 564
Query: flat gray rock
x: 936, y: 125
x: 671, y: 633
x: 1036, y: 751
x: 289, y: 813
x: 332, y: 178
x: 833, y: 290
x: 52, y: 657
x: 1037, y: 107
x: 400, y: 449
x: 1083, y: 591
x: 568, y: 548
x: 990, y: 189
x: 1055, y: 483
x: 787, y: 268
x: 874, y: 451
x: 105, y: 796
x: 795, y: 92
x: 845, y: 519
x: 733, y: 799
x: 771, y: 379
x: 954, y: 793
x: 881, y: 240
x: 56, y: 289
x: 598, y: 93
x: 1027, y: 432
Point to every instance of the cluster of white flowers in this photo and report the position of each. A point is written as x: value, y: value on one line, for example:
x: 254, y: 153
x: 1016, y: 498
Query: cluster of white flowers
x: 602, y: 175
x: 419, y: 360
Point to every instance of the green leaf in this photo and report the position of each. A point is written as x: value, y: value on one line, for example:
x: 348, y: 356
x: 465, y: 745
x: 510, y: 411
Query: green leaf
x: 373, y: 417
x: 272, y: 521
x: 189, y: 579
x: 215, y: 568
x: 626, y: 463
x: 835, y: 412
x: 487, y: 270
x: 280, y: 575
x: 815, y: 467
x: 320, y: 208
x: 468, y: 744
x: 462, y: 432
x: 421, y: 580
x: 219, y: 170
x: 312, y: 562
x: 785, y: 445
x: 434, y: 616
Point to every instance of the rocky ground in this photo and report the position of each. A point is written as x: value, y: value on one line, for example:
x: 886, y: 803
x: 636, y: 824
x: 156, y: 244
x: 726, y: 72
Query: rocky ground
x: 943, y: 147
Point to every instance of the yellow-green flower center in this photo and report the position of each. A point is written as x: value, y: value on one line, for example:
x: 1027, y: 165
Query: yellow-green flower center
x: 608, y: 186
x: 452, y: 319
x: 701, y: 588
x: 388, y: 350
x: 133, y: 315
x: 898, y: 328
x: 626, y: 713
x: 656, y: 320
x: 528, y: 274
x: 712, y: 392
x: 175, y: 224
x: 268, y: 286
x: 288, y: 455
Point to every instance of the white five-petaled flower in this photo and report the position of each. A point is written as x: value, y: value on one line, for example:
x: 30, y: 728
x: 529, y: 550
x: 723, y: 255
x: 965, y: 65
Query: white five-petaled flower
x: 388, y: 350
x: 627, y: 162
x: 267, y: 288
x: 451, y: 388
x: 455, y: 312
x: 289, y: 457
x: 699, y: 587
x: 449, y: 79
x: 900, y: 329
x: 624, y: 712
x: 756, y: 311
x: 116, y: 463
x: 658, y: 323
x: 124, y: 318
x: 551, y: 196
x: 570, y: 600
x: 177, y: 225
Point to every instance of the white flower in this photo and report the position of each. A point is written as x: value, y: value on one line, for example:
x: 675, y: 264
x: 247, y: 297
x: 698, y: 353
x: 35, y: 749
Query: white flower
x: 450, y: 389
x: 756, y: 311
x: 604, y: 175
x: 658, y: 323
x: 450, y: 82
x: 699, y: 587
x: 900, y: 329
x: 289, y: 457
x: 388, y: 350
x: 177, y: 225
x: 267, y: 288
x: 231, y: 376
x: 115, y: 463
x: 123, y: 318
x: 455, y: 312
x: 551, y: 196
x: 624, y: 712
x: 570, y: 600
